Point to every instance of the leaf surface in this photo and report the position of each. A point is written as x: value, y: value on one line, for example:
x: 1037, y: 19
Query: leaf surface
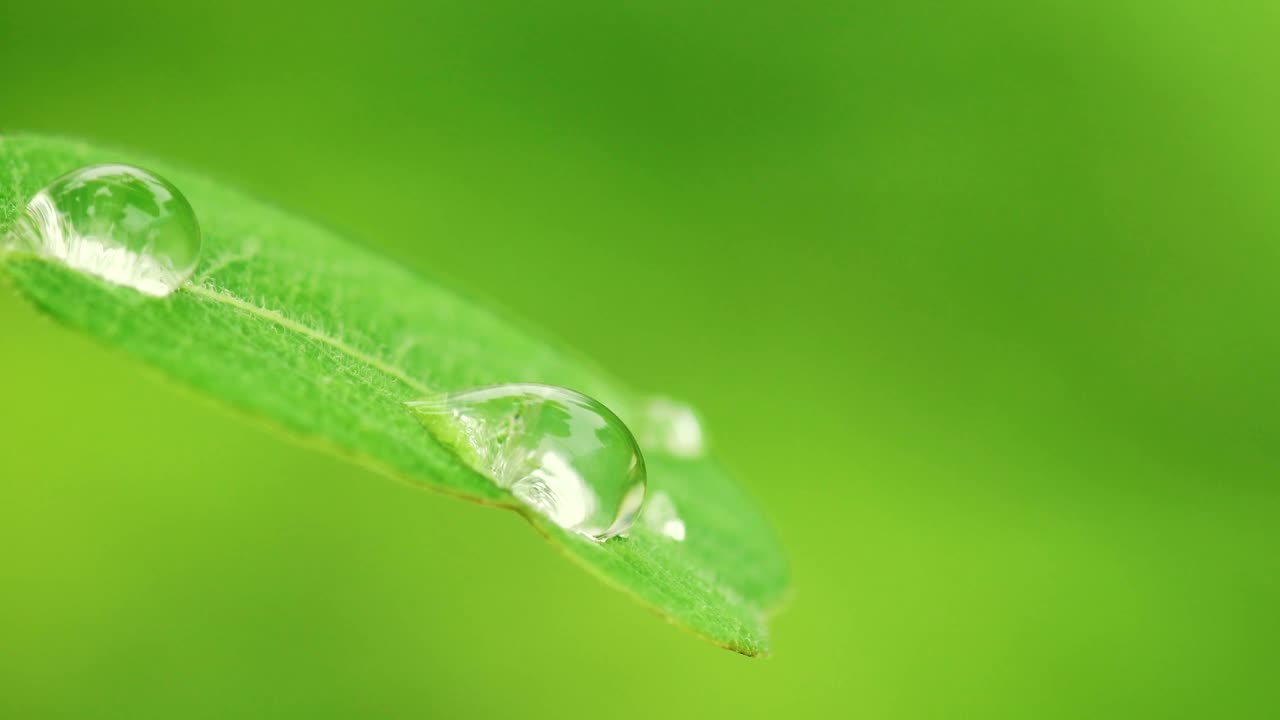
x: 325, y: 340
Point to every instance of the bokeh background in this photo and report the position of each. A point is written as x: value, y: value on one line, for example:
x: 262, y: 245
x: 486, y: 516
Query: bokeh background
x: 979, y: 299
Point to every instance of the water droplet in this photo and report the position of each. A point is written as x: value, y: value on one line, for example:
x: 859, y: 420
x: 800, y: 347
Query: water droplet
x: 660, y: 516
x: 118, y: 222
x: 671, y: 427
x: 558, y: 451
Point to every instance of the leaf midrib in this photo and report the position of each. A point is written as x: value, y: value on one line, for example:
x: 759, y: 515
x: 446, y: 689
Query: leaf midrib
x: 230, y: 299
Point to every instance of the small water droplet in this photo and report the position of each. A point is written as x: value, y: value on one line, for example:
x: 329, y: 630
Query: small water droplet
x: 118, y: 222
x: 560, y: 452
x: 660, y: 516
x: 672, y: 427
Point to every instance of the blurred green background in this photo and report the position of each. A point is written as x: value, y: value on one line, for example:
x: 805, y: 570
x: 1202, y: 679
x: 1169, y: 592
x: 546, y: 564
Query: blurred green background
x: 980, y: 301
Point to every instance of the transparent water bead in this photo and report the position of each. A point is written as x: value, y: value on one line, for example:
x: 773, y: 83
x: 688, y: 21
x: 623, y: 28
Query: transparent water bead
x: 562, y: 453
x: 118, y: 222
x: 672, y: 427
x: 661, y: 517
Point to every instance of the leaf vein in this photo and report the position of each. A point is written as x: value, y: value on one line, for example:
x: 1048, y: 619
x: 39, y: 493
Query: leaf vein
x: 225, y: 297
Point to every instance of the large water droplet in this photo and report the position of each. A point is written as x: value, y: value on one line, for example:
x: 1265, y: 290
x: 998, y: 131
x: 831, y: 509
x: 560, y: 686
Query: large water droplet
x: 558, y: 451
x: 118, y: 222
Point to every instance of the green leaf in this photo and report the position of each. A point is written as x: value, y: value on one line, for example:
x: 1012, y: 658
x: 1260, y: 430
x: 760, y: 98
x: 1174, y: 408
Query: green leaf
x: 326, y: 341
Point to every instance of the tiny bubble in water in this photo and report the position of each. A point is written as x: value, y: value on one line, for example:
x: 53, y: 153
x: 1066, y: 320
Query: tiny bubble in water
x: 117, y: 222
x: 562, y: 453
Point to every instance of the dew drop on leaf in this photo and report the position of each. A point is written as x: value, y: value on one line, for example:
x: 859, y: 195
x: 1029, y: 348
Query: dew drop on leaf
x: 670, y: 426
x: 561, y: 453
x: 117, y: 222
x: 661, y: 517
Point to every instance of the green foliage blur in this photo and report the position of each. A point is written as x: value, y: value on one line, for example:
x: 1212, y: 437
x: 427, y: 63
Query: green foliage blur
x: 978, y: 298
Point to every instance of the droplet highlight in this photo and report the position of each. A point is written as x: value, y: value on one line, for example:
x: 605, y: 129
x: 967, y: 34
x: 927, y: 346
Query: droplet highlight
x: 121, y: 223
x: 559, y: 452
x: 671, y: 427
